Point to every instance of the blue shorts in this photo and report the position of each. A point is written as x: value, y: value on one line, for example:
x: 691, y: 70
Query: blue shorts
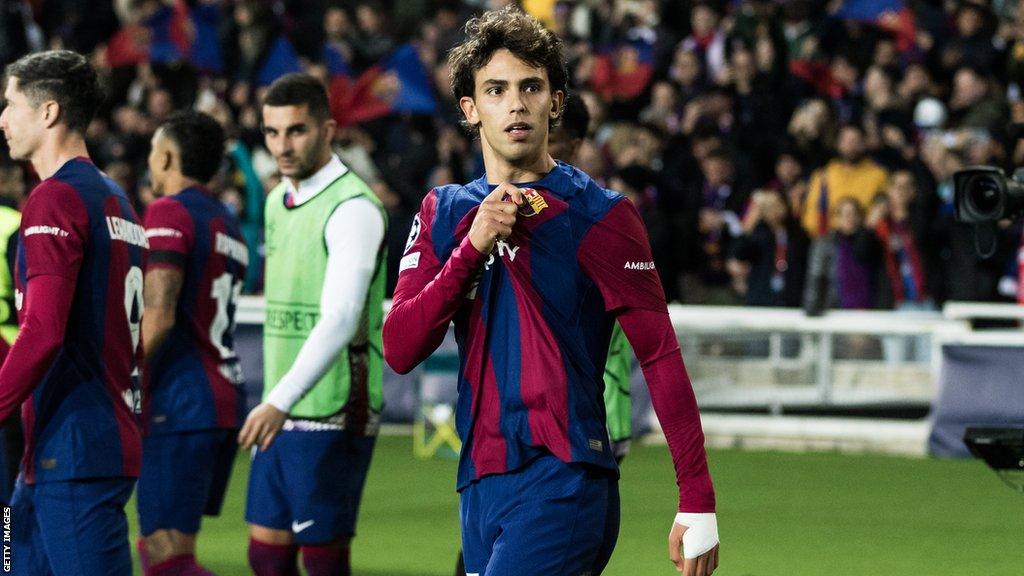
x: 309, y: 483
x: 184, y: 476
x: 73, y: 528
x: 548, y: 517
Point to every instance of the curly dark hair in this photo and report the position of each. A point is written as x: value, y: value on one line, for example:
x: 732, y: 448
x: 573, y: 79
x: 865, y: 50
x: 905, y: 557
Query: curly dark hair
x: 200, y: 141
x: 521, y: 34
x: 65, y: 77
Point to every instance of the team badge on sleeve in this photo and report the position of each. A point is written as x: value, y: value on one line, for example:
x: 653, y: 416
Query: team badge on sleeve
x: 414, y: 233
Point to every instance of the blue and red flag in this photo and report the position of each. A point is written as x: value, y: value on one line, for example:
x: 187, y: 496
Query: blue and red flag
x: 623, y: 71
x: 282, y: 59
x: 206, y: 53
x: 868, y: 10
x: 173, y: 33
x: 890, y: 15
x: 398, y: 84
x: 336, y: 61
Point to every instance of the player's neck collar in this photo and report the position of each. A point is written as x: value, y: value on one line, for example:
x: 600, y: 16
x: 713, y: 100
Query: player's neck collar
x: 316, y: 183
x: 556, y: 180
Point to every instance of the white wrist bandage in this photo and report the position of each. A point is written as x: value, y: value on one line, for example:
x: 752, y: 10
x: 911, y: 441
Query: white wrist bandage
x: 702, y: 534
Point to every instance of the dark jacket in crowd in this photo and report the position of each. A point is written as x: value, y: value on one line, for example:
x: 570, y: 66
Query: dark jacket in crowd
x: 766, y: 284
x: 921, y: 235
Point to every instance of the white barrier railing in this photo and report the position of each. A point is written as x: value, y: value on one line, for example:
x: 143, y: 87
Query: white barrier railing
x: 722, y: 318
x: 982, y: 310
x: 776, y: 358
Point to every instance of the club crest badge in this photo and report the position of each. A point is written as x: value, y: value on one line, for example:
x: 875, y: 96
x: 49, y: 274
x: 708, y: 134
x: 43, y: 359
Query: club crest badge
x: 534, y: 203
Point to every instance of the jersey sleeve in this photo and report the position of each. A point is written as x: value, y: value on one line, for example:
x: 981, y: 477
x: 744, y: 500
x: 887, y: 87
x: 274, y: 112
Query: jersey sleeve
x: 616, y: 255
x: 672, y: 398
x: 428, y: 293
x: 54, y: 231
x: 47, y: 307
x: 170, y: 232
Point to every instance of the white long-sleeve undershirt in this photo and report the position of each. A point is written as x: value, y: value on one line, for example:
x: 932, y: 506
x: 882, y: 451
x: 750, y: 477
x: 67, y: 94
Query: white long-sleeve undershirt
x: 353, y: 236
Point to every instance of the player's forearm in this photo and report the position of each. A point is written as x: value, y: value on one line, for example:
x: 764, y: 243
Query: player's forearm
x: 156, y: 325
x: 162, y: 289
x: 420, y: 314
x: 326, y: 341
x: 48, y: 304
x: 672, y: 396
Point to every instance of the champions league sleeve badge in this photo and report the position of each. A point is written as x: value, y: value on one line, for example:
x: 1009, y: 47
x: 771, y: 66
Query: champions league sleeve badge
x: 534, y: 203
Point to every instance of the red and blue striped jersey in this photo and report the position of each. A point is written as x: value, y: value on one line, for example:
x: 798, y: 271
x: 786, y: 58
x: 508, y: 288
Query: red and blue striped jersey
x: 533, y: 320
x: 81, y: 420
x: 193, y: 381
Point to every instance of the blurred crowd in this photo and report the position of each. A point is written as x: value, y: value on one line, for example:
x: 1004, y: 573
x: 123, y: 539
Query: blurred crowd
x: 782, y: 152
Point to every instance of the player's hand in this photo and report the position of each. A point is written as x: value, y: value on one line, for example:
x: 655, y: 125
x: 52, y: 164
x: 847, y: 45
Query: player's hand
x: 697, y: 536
x: 261, y: 427
x: 495, y: 217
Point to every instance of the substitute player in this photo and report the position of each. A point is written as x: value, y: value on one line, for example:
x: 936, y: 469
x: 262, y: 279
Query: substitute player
x: 321, y: 343
x: 193, y: 404
x: 534, y: 276
x: 79, y: 294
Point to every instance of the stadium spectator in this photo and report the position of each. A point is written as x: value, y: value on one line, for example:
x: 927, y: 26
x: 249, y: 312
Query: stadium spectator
x: 812, y: 129
x: 770, y: 257
x: 717, y: 206
x: 790, y: 180
x: 972, y: 104
x: 844, y: 87
x: 663, y: 111
x: 971, y: 43
x: 851, y: 174
x: 844, y: 264
x: 371, y: 41
x: 707, y: 39
x: 249, y: 34
x: 880, y: 83
x: 18, y: 31
x: 755, y: 112
x: 904, y: 234
x: 687, y: 72
x: 916, y: 84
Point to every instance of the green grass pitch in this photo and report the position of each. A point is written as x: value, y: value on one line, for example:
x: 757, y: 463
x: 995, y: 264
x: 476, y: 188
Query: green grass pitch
x: 779, y: 514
